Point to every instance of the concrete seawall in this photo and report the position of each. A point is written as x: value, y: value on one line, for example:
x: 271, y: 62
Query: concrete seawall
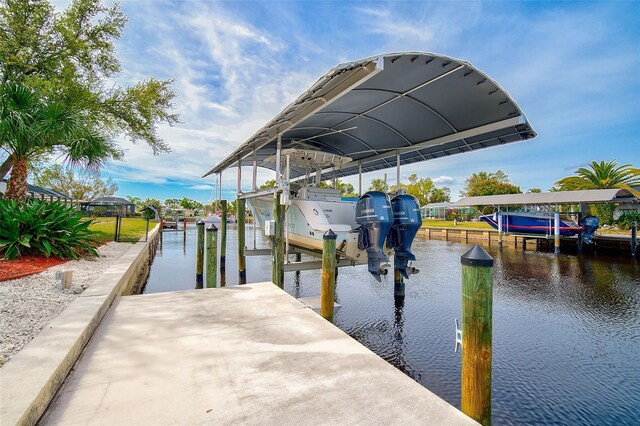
x: 32, y: 377
x: 604, y: 243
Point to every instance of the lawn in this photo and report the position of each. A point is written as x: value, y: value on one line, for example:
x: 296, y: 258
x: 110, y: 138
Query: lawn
x: 449, y: 224
x: 132, y: 230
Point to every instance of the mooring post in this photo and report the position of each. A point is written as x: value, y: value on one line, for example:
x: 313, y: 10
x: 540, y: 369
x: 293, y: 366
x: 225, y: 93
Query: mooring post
x: 115, y: 235
x: 556, y: 232
x: 328, y: 288
x: 499, y: 216
x: 199, y: 252
x: 161, y: 232
x: 579, y: 234
x: 184, y: 230
x: 223, y: 243
x: 398, y: 284
x: 242, y: 261
x: 212, y: 255
x: 298, y: 260
x: 634, y: 240
x: 477, y: 305
x: 278, y: 241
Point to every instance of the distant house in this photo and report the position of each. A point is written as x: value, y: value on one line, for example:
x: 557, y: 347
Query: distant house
x: 108, y: 206
x: 442, y: 210
x: 34, y: 191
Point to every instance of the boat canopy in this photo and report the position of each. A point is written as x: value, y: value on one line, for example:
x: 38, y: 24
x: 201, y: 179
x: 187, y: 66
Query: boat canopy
x: 551, y: 198
x: 410, y: 106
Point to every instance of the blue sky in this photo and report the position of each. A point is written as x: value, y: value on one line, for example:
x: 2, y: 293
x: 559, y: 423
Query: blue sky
x: 573, y: 67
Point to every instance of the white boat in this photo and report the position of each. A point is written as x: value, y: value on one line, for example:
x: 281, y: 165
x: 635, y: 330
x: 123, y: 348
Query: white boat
x: 311, y: 210
x: 215, y: 219
x: 365, y: 116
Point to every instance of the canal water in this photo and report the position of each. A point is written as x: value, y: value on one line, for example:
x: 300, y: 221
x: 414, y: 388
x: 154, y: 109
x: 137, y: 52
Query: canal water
x: 566, y: 329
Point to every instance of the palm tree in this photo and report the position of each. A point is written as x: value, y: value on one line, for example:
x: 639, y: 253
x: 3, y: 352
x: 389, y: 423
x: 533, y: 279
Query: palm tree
x: 603, y: 175
x: 31, y: 126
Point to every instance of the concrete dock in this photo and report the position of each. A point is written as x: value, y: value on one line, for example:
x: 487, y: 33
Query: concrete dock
x: 247, y: 354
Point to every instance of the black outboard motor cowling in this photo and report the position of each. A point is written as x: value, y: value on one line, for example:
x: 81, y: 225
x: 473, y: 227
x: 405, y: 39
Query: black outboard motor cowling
x: 407, y: 220
x: 374, y: 215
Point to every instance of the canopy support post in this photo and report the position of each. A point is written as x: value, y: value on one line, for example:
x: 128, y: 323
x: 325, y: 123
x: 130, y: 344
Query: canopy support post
x: 278, y: 161
x: 360, y: 178
x: 239, y: 181
x: 286, y: 212
x: 398, y: 190
x: 556, y: 232
x: 254, y: 183
x: 254, y: 187
x: 242, y: 270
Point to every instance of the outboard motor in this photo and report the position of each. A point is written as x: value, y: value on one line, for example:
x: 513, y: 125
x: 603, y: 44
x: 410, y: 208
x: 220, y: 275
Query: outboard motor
x: 374, y: 215
x: 590, y: 224
x: 406, y: 223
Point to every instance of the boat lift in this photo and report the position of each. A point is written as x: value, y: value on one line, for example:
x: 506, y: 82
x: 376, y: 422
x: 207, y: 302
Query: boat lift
x: 380, y: 112
x: 550, y: 202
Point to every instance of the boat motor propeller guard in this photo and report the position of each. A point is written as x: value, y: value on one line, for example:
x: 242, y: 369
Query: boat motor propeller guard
x: 407, y: 220
x: 375, y: 217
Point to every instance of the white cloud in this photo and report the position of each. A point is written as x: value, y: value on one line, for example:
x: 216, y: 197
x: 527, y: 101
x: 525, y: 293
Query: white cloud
x: 444, y: 180
x: 203, y: 187
x: 234, y: 69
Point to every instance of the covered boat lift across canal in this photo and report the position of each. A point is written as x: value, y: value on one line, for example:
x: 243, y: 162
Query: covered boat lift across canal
x: 550, y: 202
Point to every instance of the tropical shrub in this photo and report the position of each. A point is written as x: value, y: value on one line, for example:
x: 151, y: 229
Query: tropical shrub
x: 626, y: 219
x: 38, y: 227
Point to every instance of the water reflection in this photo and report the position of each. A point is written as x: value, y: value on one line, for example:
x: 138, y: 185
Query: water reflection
x: 566, y: 328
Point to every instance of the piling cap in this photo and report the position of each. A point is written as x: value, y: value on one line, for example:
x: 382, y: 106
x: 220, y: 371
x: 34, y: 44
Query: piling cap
x: 477, y: 256
x: 200, y: 222
x: 212, y: 228
x: 329, y: 235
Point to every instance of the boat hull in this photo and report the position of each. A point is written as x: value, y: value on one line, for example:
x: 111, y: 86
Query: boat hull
x: 531, y: 224
x: 308, y: 221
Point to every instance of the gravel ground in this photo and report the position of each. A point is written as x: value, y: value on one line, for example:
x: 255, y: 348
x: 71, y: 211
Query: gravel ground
x: 28, y: 304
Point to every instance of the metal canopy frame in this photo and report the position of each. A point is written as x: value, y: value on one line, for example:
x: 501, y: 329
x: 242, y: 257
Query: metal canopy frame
x: 551, y: 198
x: 386, y: 111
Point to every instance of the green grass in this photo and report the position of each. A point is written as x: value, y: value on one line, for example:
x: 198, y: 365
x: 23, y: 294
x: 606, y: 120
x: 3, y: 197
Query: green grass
x: 449, y: 224
x: 133, y: 228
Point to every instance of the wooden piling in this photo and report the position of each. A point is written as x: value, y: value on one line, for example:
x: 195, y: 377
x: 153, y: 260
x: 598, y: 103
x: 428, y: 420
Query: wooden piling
x: 477, y: 305
x: 634, y: 238
x: 199, y: 252
x: 398, y: 285
x: 242, y: 261
x: 499, y: 215
x: 117, y: 229
x: 277, y: 274
x: 223, y: 243
x: 212, y: 256
x: 556, y: 232
x: 298, y: 260
x: 328, y: 287
x: 184, y: 230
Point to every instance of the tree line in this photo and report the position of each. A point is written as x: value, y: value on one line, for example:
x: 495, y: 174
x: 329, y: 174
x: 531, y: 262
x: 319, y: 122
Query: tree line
x: 57, y: 90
